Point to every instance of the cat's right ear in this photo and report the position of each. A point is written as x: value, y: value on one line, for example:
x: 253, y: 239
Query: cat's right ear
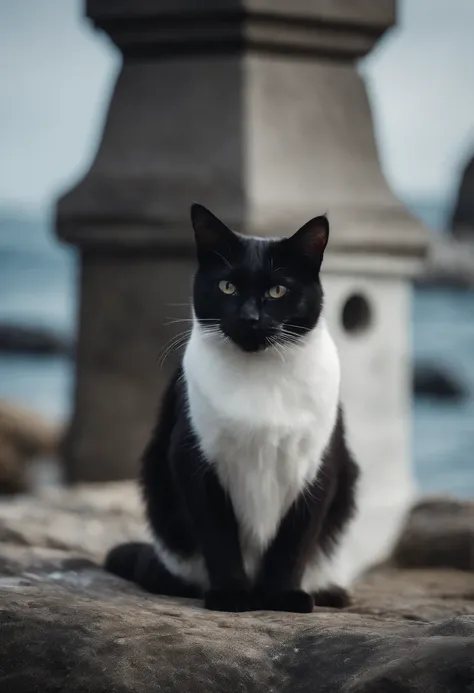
x: 214, y: 240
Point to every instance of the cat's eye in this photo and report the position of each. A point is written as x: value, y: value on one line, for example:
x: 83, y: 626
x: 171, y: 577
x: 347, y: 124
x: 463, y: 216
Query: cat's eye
x: 227, y: 288
x: 276, y: 291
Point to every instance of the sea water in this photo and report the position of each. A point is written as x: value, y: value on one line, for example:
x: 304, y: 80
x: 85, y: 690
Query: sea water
x: 38, y: 287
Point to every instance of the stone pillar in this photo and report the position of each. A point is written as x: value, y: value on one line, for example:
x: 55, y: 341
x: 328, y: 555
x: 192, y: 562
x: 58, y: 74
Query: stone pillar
x: 255, y: 109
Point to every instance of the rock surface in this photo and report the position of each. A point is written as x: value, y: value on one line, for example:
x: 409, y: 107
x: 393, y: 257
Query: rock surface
x: 24, y: 436
x: 66, y: 625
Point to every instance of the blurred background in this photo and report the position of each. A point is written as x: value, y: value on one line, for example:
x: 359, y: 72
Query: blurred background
x: 57, y: 74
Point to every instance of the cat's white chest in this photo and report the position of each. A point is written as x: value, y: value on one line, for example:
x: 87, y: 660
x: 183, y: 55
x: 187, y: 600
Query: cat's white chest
x: 264, y: 423
x: 263, y: 468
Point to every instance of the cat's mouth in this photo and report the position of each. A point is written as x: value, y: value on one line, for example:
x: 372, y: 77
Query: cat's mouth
x: 251, y: 340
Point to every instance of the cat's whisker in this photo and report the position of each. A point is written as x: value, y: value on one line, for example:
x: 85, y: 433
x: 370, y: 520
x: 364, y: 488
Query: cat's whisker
x: 297, y: 327
x: 274, y: 345
x: 172, y: 349
x: 290, y: 333
x: 169, y: 350
x: 211, y: 330
x: 291, y: 338
x: 290, y: 343
x: 173, y: 345
x: 283, y: 351
x: 172, y: 321
x: 281, y: 348
x: 288, y: 340
x: 177, y: 341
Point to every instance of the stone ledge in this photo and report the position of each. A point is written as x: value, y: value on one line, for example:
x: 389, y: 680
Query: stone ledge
x: 65, y: 624
x: 72, y: 626
x: 364, y: 13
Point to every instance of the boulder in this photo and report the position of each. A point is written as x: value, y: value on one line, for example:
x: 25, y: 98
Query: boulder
x: 434, y: 382
x: 23, y: 339
x: 67, y: 625
x: 24, y: 436
x: 439, y: 534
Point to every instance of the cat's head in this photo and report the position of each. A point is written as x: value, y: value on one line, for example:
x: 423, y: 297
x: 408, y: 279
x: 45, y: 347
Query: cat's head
x: 257, y: 292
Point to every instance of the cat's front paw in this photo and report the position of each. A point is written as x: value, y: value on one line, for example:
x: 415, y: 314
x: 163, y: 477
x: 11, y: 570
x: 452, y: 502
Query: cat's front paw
x: 229, y: 600
x: 297, y: 601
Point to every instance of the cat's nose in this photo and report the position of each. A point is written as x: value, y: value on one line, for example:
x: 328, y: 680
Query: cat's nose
x: 250, y: 313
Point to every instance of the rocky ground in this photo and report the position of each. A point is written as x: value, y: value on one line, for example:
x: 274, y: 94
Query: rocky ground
x: 65, y: 625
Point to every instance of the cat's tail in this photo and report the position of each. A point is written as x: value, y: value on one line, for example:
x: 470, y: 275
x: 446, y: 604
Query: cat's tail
x: 133, y: 561
x: 137, y: 562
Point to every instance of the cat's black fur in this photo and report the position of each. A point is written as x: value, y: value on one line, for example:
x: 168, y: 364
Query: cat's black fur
x: 186, y: 505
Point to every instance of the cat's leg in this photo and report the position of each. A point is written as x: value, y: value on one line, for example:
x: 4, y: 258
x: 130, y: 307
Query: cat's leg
x: 215, y: 527
x: 284, y: 593
x: 328, y: 575
x: 284, y: 563
x: 139, y: 563
x: 326, y: 580
x: 312, y: 526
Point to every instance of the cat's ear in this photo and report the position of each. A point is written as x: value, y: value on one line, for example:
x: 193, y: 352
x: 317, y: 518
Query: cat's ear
x: 213, y: 238
x: 312, y: 238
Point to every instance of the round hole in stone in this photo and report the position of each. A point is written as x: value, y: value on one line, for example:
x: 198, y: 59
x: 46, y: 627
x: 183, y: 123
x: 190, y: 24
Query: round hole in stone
x: 356, y: 314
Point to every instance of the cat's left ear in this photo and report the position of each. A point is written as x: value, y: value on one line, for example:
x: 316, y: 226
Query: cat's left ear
x: 312, y: 238
x: 213, y: 238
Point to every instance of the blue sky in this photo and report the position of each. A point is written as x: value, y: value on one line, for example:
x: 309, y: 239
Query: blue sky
x: 56, y: 75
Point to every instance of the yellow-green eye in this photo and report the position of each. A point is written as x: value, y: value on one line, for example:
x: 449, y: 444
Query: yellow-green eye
x: 227, y: 288
x: 276, y: 291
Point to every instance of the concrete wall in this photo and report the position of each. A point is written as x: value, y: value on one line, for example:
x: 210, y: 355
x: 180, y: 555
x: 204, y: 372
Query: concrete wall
x: 375, y: 352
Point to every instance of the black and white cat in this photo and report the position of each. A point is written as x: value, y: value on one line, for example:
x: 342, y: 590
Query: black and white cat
x: 247, y: 480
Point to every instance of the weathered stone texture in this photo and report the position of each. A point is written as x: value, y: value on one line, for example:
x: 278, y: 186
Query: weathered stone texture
x: 67, y: 625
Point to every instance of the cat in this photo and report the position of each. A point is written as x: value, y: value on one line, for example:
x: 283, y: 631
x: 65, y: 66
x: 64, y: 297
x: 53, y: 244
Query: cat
x: 247, y: 480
